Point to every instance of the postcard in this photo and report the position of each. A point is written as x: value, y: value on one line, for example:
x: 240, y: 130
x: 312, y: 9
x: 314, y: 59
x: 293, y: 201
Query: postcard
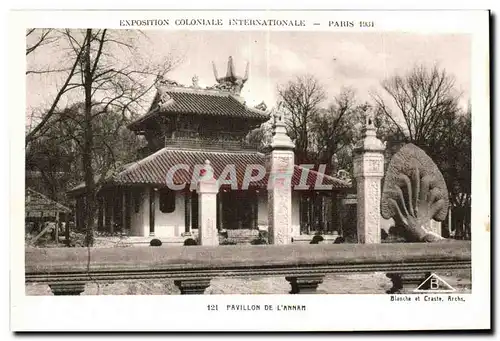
x: 260, y: 170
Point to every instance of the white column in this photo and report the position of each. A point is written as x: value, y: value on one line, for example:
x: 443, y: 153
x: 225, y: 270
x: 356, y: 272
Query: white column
x: 145, y: 211
x: 368, y: 171
x: 280, y: 165
x: 207, y: 189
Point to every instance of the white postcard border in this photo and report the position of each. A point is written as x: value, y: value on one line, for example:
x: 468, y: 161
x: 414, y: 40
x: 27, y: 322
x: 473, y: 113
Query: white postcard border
x: 325, y: 312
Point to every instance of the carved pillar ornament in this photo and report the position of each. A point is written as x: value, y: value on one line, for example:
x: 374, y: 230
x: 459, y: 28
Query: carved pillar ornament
x: 368, y: 171
x: 207, y: 189
x: 280, y: 165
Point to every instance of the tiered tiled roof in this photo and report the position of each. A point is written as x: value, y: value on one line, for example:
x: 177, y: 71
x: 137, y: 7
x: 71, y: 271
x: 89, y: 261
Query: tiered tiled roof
x: 201, y: 102
x: 153, y: 169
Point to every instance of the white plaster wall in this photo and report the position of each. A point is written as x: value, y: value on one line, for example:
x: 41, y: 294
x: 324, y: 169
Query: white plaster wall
x: 295, y: 213
x: 139, y: 221
x: 262, y: 218
x: 169, y: 224
x: 166, y: 224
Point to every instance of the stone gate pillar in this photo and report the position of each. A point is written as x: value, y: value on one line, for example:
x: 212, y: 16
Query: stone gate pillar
x: 368, y: 171
x: 207, y: 189
x: 280, y: 166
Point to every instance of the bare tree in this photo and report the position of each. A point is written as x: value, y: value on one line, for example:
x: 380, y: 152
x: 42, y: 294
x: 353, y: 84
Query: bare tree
x: 424, y: 110
x: 37, y: 38
x: 301, y: 99
x: 55, y: 157
x: 106, y: 78
x: 334, y: 128
x: 450, y: 148
x: 420, y: 99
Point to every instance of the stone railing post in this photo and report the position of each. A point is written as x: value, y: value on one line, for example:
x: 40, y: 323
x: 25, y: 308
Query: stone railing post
x: 195, y: 286
x: 207, y: 189
x: 280, y: 165
x: 368, y: 171
x: 304, y: 284
x: 406, y: 283
x: 67, y: 288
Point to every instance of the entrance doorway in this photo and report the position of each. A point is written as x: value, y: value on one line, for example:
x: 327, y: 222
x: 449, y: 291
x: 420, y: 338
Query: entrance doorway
x: 238, y: 209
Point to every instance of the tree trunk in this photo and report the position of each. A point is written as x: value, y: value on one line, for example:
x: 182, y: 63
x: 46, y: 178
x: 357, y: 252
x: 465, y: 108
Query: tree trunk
x: 88, y: 146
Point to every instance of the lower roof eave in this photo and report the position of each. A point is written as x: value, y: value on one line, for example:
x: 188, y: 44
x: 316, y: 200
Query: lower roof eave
x: 250, y: 187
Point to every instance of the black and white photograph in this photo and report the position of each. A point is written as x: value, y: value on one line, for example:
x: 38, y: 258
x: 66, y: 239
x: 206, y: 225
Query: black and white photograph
x: 174, y: 155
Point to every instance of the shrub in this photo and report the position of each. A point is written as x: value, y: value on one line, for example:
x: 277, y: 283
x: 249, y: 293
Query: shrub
x: 383, y: 234
x: 190, y: 242
x: 76, y: 239
x: 259, y: 241
x: 317, y: 239
x: 227, y: 242
x: 155, y: 242
x: 339, y: 240
x: 263, y: 234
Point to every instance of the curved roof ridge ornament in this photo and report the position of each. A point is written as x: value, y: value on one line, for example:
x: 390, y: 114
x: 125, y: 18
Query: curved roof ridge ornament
x: 216, y: 75
x: 230, y: 69
x: 245, y: 78
x: 231, y: 82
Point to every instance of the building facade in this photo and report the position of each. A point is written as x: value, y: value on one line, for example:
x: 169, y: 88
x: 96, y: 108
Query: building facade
x: 185, y: 127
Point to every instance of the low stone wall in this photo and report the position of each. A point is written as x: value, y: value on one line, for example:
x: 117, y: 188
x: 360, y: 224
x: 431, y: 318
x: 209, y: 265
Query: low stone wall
x: 67, y: 270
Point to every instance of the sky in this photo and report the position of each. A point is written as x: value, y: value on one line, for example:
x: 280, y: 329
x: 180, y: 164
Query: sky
x: 337, y: 59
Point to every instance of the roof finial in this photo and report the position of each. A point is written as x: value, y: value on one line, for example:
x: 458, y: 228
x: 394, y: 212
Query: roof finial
x: 230, y: 82
x: 195, y: 81
x: 280, y: 139
x: 370, y: 120
x: 216, y: 74
x: 230, y: 68
x: 261, y: 106
x: 369, y: 140
x: 245, y: 78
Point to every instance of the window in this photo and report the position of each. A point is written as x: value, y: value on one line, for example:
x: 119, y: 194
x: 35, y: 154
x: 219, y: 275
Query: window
x: 167, y: 201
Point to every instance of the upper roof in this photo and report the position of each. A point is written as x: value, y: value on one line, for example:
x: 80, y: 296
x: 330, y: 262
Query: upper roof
x: 221, y: 99
x: 154, y: 168
x: 186, y: 100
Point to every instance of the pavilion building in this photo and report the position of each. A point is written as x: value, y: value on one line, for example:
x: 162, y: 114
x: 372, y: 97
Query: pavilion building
x: 184, y: 127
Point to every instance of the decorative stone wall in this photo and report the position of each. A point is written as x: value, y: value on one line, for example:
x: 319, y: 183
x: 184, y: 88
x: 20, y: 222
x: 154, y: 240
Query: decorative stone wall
x: 280, y: 164
x: 280, y: 197
x: 368, y: 171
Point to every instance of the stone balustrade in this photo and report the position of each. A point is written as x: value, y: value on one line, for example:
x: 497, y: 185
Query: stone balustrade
x: 67, y: 270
